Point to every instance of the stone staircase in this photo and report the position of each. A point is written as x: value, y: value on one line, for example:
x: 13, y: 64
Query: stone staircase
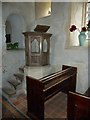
x: 13, y: 86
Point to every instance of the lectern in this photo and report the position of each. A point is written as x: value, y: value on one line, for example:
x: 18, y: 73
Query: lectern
x: 37, y: 46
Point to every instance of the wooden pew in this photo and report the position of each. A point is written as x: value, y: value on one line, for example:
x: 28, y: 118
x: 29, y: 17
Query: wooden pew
x: 87, y: 93
x: 78, y: 107
x: 40, y: 90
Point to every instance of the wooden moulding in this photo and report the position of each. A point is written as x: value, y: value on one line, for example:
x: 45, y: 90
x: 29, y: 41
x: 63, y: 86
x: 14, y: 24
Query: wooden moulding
x: 41, y: 28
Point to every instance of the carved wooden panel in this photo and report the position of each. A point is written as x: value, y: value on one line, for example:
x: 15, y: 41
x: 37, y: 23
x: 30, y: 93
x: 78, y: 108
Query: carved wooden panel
x: 37, y: 47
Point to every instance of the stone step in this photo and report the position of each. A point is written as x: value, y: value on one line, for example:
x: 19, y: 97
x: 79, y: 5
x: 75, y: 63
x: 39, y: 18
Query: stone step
x: 15, y: 83
x: 12, y: 86
x: 19, y: 76
x: 21, y: 69
x: 8, y: 89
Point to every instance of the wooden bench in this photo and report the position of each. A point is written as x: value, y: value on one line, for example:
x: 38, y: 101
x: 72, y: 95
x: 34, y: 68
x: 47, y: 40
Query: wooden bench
x: 78, y: 107
x: 40, y: 90
x: 87, y: 93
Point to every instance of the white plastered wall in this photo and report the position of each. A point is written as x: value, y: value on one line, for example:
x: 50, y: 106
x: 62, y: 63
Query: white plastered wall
x: 0, y: 44
x: 0, y: 57
x: 13, y: 59
x: 76, y: 56
x: 60, y: 23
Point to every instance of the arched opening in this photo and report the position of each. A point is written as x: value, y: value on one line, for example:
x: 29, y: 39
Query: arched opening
x: 15, y: 26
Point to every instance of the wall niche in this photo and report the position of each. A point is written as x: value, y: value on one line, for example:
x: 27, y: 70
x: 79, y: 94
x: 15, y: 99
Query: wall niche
x: 15, y: 26
x: 42, y: 9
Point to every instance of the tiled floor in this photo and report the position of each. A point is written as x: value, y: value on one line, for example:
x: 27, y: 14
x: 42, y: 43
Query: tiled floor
x: 21, y: 103
x: 55, y: 107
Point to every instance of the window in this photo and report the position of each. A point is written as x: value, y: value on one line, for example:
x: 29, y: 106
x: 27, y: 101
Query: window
x: 78, y: 18
x: 87, y: 19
